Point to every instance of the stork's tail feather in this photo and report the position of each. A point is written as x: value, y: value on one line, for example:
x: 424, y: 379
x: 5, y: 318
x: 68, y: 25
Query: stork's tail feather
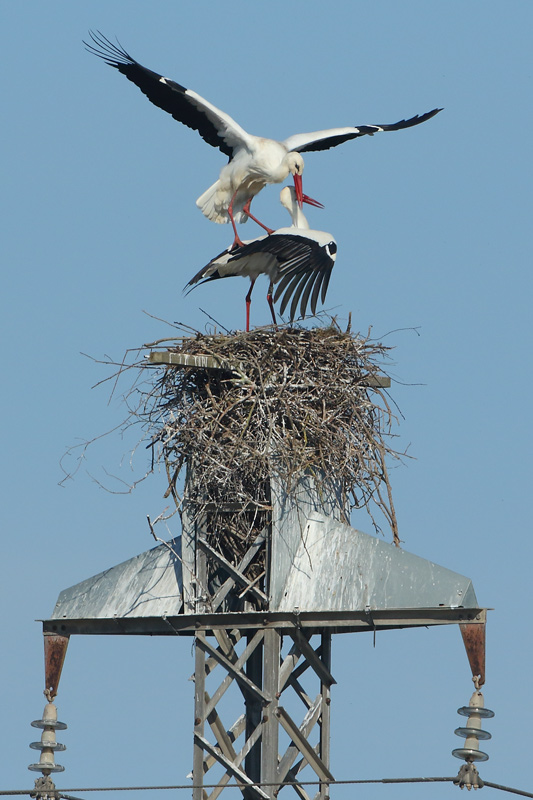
x: 213, y: 207
x: 207, y: 203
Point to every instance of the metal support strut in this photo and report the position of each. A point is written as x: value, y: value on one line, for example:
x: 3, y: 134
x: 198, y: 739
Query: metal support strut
x: 267, y: 744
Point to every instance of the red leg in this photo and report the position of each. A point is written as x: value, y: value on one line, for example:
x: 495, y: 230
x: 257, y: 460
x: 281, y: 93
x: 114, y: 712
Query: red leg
x: 237, y: 241
x: 246, y: 209
x: 249, y: 303
x: 271, y: 305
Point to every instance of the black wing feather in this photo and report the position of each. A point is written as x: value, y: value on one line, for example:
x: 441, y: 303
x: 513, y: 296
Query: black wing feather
x: 325, y: 284
x: 366, y: 130
x: 303, y: 278
x: 316, y: 291
x: 285, y: 247
x: 281, y: 286
x: 311, y: 281
x: 327, y: 144
x: 169, y: 96
x: 304, y: 268
x: 196, y: 280
x: 292, y: 283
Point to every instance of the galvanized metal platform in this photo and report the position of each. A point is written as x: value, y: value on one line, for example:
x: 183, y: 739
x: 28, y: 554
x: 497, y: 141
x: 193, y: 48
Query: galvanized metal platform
x: 320, y: 576
x: 331, y: 576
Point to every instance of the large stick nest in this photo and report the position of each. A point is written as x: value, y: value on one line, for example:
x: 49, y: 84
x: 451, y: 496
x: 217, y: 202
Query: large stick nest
x: 284, y: 402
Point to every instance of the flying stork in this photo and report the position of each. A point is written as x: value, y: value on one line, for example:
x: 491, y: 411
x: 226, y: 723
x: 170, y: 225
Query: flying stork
x: 296, y: 258
x: 254, y: 161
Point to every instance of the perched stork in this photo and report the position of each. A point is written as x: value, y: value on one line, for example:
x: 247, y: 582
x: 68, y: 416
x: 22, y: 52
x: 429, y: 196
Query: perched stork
x: 296, y: 258
x: 254, y: 161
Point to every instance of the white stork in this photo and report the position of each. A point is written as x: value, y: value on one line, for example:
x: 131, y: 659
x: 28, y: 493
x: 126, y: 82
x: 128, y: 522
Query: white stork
x: 296, y: 258
x: 254, y: 161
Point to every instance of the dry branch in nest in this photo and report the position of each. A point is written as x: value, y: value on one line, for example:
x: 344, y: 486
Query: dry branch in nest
x: 282, y: 402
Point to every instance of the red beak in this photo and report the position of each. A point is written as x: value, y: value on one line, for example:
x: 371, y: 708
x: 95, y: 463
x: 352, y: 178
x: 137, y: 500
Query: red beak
x: 311, y: 202
x: 298, y: 189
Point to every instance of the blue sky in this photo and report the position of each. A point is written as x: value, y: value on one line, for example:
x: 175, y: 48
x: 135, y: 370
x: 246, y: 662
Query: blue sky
x: 433, y: 227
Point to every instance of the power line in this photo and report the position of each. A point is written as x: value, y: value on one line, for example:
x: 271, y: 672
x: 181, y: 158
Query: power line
x: 190, y: 786
x: 507, y: 789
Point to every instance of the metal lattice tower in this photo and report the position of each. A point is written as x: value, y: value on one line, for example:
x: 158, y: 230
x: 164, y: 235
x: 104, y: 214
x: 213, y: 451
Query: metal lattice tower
x: 265, y: 641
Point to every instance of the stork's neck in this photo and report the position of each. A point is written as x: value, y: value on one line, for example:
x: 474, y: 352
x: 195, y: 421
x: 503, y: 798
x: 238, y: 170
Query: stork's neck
x: 298, y: 217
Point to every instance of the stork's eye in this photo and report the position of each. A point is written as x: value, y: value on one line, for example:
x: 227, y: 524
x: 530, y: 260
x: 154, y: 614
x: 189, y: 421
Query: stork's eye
x: 331, y: 248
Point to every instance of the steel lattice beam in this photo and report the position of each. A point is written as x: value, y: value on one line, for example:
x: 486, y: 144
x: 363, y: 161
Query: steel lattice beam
x: 259, y: 674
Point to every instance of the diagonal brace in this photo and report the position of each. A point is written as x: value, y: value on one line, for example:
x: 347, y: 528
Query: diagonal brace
x: 240, y: 677
x: 226, y: 683
x: 303, y: 745
x: 305, y: 729
x: 249, y: 556
x: 309, y: 654
x: 233, y: 571
x: 250, y: 742
x: 237, y: 773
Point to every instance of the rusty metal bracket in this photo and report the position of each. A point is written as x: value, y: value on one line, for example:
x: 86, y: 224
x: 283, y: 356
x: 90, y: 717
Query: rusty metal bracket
x: 55, y: 648
x: 474, y: 641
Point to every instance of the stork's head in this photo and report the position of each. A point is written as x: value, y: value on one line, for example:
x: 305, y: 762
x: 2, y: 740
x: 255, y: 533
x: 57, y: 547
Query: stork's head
x: 295, y: 163
x: 288, y: 198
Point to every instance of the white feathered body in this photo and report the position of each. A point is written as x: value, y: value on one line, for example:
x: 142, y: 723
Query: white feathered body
x: 262, y: 161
